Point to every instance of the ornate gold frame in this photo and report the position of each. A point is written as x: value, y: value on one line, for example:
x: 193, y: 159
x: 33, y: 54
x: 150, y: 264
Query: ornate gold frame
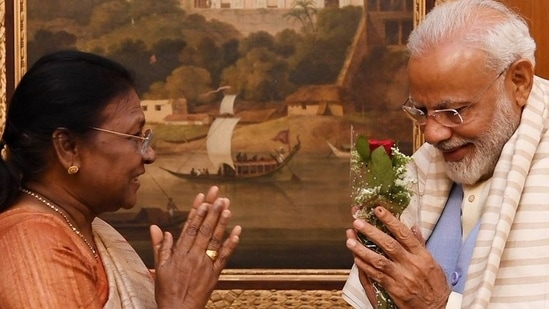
x: 2, y: 63
x: 266, y: 286
x: 19, y: 39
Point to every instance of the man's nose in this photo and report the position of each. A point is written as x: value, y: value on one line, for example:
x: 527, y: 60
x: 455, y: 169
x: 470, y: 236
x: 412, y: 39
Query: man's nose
x: 434, y: 132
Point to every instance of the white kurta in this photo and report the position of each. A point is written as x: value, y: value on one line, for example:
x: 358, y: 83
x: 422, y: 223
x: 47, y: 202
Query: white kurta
x: 510, y: 263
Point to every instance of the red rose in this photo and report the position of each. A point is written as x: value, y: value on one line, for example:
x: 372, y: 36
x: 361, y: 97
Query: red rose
x: 386, y: 143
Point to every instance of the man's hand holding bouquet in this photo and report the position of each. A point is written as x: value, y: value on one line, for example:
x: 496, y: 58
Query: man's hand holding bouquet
x: 379, y: 178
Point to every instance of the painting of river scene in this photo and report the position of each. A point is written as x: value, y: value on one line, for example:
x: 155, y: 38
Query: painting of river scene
x: 286, y: 224
x: 295, y: 219
x: 300, y: 76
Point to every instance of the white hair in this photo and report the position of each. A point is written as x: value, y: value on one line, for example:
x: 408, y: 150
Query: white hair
x: 487, y: 25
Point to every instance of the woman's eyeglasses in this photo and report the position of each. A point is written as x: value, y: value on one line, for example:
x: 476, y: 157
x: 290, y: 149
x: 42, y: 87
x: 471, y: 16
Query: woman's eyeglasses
x: 146, y: 138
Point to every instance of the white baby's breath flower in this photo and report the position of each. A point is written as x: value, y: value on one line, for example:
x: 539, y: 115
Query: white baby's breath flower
x: 370, y: 188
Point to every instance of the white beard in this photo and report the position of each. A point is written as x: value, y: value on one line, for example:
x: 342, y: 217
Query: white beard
x: 481, y: 162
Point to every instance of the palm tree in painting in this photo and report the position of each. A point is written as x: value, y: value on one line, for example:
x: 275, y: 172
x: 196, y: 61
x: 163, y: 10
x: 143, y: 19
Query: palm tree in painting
x: 305, y: 12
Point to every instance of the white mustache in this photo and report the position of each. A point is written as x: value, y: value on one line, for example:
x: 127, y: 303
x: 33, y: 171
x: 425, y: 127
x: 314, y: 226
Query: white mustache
x: 452, y: 144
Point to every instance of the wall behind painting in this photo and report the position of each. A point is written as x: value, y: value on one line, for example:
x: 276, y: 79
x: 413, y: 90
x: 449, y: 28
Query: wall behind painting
x: 535, y: 12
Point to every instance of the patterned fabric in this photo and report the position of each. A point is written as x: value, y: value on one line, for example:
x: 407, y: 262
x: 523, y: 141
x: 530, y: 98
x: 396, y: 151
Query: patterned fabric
x: 130, y: 282
x: 510, y: 263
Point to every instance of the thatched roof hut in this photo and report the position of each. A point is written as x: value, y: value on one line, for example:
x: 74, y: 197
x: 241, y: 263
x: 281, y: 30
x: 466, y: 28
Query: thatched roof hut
x: 319, y: 100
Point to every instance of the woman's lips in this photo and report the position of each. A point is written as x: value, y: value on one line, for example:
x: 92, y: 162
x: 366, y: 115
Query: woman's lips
x: 136, y: 182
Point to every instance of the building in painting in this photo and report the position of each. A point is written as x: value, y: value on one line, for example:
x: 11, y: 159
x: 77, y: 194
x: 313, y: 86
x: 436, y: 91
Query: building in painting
x: 156, y: 110
x: 386, y: 24
x: 318, y: 100
x: 389, y: 22
x: 172, y: 111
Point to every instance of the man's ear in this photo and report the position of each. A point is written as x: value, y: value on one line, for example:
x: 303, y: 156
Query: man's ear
x: 522, y: 76
x: 64, y: 145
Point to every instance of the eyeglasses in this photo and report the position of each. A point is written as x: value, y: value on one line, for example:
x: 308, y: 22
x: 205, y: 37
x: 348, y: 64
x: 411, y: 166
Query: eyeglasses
x: 448, y: 117
x: 146, y: 138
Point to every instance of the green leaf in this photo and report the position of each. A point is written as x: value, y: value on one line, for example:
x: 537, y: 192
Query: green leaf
x: 381, y: 170
x: 363, y: 148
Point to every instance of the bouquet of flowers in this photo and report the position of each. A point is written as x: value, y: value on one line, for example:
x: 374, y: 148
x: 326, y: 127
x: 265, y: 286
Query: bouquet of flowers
x: 378, y: 178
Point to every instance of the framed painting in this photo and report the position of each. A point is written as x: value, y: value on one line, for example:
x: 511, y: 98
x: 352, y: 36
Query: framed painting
x: 256, y: 97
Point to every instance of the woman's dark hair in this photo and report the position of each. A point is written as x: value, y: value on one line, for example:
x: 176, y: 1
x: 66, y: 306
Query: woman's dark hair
x: 67, y: 89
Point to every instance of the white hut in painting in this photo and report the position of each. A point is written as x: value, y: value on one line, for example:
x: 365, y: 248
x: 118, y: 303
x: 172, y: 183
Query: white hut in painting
x: 318, y: 100
x: 156, y: 110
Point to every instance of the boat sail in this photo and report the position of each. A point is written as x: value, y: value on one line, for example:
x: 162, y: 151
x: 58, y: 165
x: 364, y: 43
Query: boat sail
x: 219, y: 144
x: 218, y: 141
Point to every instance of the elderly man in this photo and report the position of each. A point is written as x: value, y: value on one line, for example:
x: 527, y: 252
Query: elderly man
x: 483, y: 174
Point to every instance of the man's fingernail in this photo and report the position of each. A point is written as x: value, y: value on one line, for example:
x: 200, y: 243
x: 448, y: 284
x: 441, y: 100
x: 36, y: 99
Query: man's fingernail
x: 351, y: 243
x: 359, y: 224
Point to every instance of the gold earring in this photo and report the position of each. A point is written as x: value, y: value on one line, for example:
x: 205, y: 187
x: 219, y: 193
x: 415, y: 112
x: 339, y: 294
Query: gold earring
x: 73, y: 169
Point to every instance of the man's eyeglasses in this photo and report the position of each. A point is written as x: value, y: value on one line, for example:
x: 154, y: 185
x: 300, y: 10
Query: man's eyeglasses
x: 448, y: 117
x: 146, y: 138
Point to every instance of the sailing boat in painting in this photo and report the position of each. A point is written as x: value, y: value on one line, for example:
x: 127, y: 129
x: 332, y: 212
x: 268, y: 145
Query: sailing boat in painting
x: 241, y: 167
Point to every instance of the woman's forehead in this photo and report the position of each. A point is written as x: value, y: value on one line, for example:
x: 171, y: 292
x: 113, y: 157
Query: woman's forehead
x: 127, y: 107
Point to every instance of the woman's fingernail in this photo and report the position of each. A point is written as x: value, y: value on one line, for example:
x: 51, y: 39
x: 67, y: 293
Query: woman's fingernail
x: 218, y: 204
x: 359, y: 224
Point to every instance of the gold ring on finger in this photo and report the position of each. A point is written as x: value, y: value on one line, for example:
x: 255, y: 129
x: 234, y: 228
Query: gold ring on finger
x: 212, y: 254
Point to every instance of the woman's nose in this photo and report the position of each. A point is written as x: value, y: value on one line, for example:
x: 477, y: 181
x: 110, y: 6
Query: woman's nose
x: 149, y: 156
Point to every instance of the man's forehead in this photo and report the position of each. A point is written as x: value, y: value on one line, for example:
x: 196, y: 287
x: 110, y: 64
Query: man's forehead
x: 440, y: 80
x: 448, y: 59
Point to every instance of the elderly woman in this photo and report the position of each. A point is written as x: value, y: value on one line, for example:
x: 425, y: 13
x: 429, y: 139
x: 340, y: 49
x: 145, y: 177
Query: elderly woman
x: 73, y: 147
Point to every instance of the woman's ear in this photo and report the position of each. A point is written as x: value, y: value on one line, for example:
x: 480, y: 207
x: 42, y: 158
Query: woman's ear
x: 65, y: 147
x: 522, y: 76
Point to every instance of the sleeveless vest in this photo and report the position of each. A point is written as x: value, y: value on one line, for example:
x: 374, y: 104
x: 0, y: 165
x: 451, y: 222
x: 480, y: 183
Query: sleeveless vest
x: 446, y: 244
